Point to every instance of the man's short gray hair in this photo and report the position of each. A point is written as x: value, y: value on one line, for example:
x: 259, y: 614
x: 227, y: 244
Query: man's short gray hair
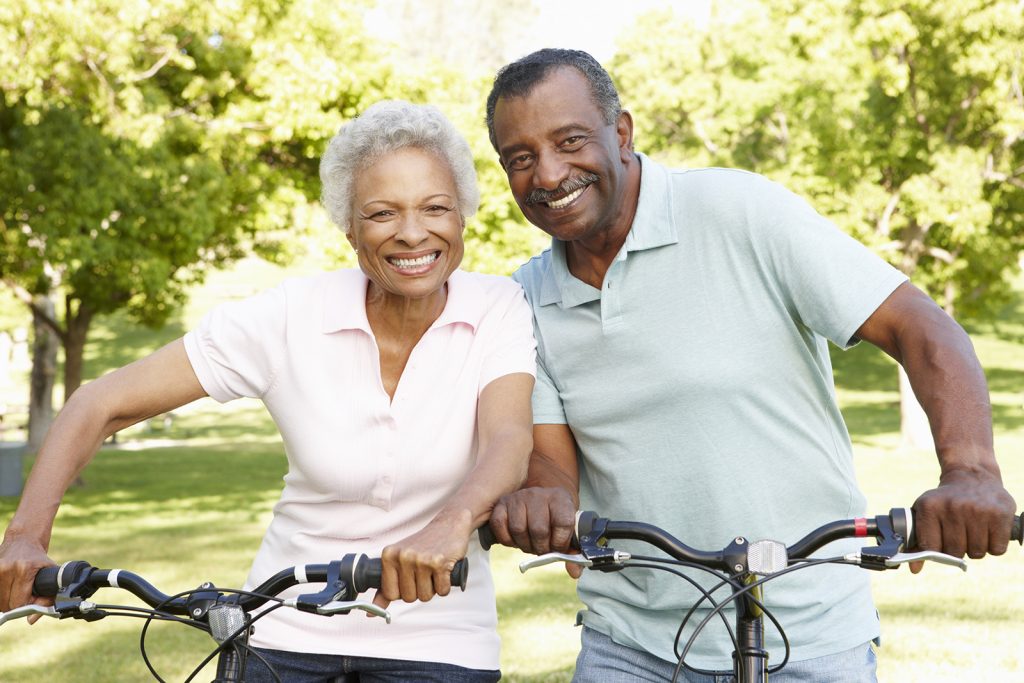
x: 519, y: 78
x: 386, y: 127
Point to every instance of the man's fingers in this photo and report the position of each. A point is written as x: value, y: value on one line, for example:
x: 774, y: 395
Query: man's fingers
x: 561, y: 537
x: 999, y: 538
x: 499, y: 524
x: 528, y: 523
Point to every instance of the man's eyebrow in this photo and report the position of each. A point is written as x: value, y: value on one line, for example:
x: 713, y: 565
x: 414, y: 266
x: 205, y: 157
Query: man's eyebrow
x: 569, y: 128
x: 559, y: 132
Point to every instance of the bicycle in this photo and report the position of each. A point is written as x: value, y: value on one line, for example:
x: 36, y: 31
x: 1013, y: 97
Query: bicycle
x: 744, y: 567
x: 224, y: 613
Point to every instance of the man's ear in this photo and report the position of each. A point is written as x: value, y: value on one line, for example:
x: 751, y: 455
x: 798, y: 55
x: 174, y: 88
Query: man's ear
x: 624, y: 130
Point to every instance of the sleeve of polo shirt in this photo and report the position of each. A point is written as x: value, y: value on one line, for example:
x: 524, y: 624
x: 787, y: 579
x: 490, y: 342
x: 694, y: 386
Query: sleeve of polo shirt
x: 547, y: 404
x: 236, y: 347
x: 511, y: 347
x: 831, y: 281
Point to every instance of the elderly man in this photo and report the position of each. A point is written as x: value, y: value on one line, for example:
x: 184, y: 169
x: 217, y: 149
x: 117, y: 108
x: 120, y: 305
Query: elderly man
x: 682, y: 320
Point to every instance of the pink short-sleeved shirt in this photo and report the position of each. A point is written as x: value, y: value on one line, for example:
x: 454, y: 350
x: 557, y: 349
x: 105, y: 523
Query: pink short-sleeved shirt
x: 365, y: 471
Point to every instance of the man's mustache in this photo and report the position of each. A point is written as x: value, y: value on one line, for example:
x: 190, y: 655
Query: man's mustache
x: 568, y: 186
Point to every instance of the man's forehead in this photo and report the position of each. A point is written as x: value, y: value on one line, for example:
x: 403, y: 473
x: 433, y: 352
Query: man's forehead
x: 554, y: 105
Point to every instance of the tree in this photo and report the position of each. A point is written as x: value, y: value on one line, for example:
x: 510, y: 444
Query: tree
x: 903, y: 122
x: 142, y: 145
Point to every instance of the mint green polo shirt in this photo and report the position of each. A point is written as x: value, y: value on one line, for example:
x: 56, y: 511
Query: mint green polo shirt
x: 698, y: 386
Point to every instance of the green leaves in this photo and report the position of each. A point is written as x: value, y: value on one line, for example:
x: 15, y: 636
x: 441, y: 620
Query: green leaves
x: 903, y: 122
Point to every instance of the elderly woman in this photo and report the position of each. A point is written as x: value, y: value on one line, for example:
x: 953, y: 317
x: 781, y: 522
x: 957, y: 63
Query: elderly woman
x: 401, y: 391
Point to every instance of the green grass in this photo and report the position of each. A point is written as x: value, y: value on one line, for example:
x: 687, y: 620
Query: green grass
x: 183, y: 515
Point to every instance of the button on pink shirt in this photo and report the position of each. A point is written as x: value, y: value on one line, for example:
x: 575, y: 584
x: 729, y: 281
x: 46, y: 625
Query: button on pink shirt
x: 365, y: 471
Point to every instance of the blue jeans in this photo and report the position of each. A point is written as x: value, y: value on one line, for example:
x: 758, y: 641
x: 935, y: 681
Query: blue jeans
x: 602, y: 660
x: 300, y: 667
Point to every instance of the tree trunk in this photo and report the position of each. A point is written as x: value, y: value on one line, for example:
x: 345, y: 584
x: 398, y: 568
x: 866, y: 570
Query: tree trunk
x: 915, y: 431
x: 44, y: 371
x: 74, y: 348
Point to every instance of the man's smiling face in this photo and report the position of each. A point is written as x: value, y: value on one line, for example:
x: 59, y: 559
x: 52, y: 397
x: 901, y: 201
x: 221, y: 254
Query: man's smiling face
x: 565, y: 164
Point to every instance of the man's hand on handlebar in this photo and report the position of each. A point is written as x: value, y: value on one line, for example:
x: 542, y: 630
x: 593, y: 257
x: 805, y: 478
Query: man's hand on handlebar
x: 20, y: 559
x: 537, y: 520
x: 969, y: 513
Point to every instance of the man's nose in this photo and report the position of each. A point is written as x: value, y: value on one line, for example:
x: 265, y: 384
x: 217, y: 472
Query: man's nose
x: 550, y: 171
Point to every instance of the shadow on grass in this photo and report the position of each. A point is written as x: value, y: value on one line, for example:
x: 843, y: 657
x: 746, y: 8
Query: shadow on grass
x: 1008, y: 380
x: 111, y: 650
x: 867, y: 419
x: 1007, y: 324
x: 224, y: 478
x: 864, y: 368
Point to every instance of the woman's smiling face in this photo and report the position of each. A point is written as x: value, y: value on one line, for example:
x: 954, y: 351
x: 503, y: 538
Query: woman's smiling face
x: 406, y: 225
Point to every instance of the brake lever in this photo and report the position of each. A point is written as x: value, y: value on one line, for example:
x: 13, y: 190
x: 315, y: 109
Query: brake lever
x: 344, y: 607
x: 27, y: 611
x: 903, y: 558
x: 933, y: 555
x: 578, y: 559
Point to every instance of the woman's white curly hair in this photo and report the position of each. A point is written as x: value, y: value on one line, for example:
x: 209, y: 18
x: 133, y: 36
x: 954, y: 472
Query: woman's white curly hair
x: 385, y: 127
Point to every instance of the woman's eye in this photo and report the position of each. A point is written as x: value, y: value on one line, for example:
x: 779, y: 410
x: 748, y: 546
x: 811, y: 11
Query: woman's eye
x: 438, y: 209
x: 381, y: 215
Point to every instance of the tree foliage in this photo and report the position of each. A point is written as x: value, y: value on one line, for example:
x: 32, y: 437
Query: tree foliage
x: 903, y: 122
x: 142, y: 144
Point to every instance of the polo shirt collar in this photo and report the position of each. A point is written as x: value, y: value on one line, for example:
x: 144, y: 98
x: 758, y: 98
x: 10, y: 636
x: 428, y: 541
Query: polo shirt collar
x: 653, y: 226
x: 344, y: 305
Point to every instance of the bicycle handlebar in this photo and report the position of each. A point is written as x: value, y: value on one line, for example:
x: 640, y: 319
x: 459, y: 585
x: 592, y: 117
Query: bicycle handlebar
x: 894, y: 531
x: 363, y: 572
x: 813, y: 541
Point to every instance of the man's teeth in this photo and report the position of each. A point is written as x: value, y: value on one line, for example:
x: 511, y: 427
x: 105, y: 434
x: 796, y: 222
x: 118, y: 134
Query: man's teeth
x: 567, y: 199
x: 414, y: 262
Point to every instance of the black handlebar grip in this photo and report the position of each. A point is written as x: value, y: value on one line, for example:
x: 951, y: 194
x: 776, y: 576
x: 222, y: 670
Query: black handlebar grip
x: 51, y: 580
x: 486, y: 536
x: 45, y: 583
x: 367, y: 574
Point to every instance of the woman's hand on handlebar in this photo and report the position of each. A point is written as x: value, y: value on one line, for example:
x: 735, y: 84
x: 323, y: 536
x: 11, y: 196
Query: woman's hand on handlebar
x: 20, y: 559
x: 419, y: 566
x: 537, y: 520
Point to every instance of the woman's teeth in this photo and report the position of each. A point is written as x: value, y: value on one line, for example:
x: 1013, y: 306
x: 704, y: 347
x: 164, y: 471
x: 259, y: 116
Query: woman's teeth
x: 414, y: 262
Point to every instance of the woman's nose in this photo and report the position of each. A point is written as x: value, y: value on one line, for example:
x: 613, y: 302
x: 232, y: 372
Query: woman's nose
x: 411, y: 230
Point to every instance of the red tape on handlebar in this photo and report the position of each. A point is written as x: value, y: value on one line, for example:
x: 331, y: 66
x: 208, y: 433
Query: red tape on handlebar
x: 860, y: 526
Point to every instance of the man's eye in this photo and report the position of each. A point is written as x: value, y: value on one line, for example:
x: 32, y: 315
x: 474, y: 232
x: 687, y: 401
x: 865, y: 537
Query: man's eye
x: 520, y: 162
x: 573, y: 141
